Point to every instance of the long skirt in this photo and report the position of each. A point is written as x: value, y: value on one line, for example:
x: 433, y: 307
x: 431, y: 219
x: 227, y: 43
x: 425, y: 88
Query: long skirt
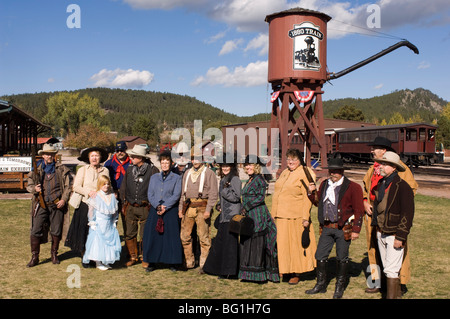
x: 78, y: 230
x: 223, y: 257
x: 258, y: 259
x: 103, y: 243
x: 163, y: 247
x: 292, y: 257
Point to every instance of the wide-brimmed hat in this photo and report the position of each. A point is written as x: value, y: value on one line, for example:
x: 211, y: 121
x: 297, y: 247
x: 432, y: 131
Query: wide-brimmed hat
x: 253, y: 159
x: 392, y: 158
x: 383, y: 142
x: 48, y: 149
x: 139, y: 150
x: 227, y: 159
x: 84, y: 155
x: 335, y: 163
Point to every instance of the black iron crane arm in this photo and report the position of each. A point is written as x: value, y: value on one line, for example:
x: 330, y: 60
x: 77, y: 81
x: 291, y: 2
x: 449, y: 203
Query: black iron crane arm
x: 332, y: 76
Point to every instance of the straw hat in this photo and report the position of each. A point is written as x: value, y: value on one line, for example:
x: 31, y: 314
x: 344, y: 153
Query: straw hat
x: 48, y: 149
x: 139, y: 150
x: 393, y: 159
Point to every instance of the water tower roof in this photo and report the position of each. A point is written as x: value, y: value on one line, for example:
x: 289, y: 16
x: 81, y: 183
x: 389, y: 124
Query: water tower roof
x: 297, y: 11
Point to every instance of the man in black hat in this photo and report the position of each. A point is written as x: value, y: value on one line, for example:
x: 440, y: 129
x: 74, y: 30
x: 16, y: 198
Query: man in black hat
x: 380, y: 146
x: 340, y: 213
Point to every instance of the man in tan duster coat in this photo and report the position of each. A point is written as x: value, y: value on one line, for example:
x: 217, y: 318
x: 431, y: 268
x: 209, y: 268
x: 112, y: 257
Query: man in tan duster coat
x: 379, y: 147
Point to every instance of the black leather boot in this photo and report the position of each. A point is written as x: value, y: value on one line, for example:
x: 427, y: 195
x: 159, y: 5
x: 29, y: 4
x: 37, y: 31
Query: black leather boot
x: 341, y: 279
x: 321, y: 285
x: 35, y: 243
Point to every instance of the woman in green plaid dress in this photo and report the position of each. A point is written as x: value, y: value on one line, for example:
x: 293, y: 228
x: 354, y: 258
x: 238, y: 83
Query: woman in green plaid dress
x: 258, y: 260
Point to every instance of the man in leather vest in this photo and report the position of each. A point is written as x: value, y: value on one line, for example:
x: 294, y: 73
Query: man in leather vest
x: 340, y: 213
x: 133, y: 193
x: 200, y: 189
x: 50, y: 185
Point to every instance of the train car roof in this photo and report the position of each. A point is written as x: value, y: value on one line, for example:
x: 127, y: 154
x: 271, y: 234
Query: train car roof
x: 386, y: 127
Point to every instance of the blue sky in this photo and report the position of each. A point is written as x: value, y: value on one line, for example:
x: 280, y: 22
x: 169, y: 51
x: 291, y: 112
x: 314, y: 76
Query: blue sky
x: 215, y: 51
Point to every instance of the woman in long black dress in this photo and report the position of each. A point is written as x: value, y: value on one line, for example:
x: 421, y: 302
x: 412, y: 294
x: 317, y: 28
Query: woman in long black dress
x: 258, y: 259
x: 223, y: 257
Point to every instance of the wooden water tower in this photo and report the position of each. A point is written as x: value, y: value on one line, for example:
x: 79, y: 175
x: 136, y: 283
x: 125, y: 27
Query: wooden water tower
x: 297, y: 72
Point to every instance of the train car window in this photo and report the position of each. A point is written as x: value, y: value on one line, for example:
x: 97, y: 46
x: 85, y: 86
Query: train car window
x: 422, y: 134
x: 411, y: 135
x: 392, y: 135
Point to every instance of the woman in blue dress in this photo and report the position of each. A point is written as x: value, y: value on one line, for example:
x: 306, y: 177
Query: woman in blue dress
x: 161, y: 242
x: 103, y: 241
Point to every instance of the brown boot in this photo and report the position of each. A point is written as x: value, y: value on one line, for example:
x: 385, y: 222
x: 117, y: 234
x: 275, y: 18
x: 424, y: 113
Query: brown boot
x: 132, y: 249
x: 54, y: 249
x: 35, y: 243
x: 393, y: 288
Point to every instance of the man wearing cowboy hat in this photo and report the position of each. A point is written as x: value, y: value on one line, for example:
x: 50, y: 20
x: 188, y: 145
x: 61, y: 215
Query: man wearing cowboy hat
x: 380, y: 146
x: 200, y: 190
x: 392, y: 215
x: 52, y: 183
x: 340, y: 213
x: 133, y: 193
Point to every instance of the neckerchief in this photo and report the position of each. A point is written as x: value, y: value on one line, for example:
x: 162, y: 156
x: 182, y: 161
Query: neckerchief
x: 47, y: 168
x: 374, y: 179
x: 330, y: 194
x: 137, y: 171
x: 384, y: 184
x: 120, y: 170
x: 196, y: 173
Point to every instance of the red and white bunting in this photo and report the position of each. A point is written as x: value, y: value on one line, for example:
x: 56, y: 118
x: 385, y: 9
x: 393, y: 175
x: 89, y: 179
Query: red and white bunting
x: 274, y: 96
x: 303, y: 96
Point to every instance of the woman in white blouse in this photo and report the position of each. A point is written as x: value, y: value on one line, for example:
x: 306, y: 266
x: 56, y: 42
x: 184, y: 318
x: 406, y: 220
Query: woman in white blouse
x: 85, y: 184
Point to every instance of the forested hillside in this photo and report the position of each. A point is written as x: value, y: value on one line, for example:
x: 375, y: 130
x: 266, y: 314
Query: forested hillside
x: 173, y: 110
x: 123, y: 106
x: 419, y: 102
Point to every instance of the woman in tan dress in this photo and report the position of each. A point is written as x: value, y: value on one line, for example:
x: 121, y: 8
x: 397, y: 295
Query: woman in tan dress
x: 291, y: 211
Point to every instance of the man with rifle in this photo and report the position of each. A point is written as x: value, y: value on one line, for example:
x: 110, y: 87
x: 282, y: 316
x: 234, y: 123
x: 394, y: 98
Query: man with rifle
x: 50, y: 183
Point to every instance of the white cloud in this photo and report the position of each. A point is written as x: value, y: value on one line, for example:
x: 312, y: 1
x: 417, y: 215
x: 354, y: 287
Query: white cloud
x: 216, y: 37
x: 122, y: 78
x: 166, y: 4
x: 423, y: 65
x: 379, y: 86
x: 253, y: 74
x: 230, y: 46
x: 261, y: 43
x: 249, y: 15
x: 51, y: 80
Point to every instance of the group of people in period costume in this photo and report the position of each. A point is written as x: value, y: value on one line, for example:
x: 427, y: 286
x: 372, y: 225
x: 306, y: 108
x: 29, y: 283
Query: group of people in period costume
x: 166, y: 212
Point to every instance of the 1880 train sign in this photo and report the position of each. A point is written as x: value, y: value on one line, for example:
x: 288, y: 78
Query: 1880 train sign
x: 307, y: 38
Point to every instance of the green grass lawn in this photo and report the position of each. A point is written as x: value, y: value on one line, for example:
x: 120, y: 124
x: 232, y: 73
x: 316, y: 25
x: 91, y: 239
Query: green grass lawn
x: 429, y: 246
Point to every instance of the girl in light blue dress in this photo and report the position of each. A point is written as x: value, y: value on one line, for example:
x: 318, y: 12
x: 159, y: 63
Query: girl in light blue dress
x: 103, y: 243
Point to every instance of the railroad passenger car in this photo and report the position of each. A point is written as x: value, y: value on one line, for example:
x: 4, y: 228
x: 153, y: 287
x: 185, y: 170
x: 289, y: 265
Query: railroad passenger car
x: 414, y: 142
